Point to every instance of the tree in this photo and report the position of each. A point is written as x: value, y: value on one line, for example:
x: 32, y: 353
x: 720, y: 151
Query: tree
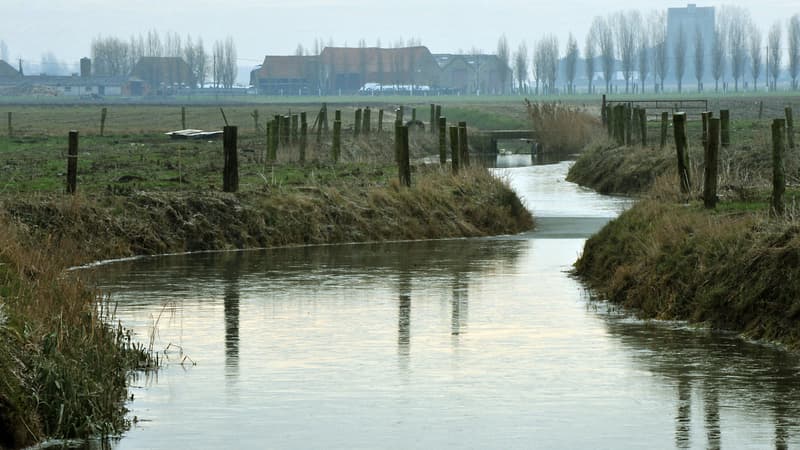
x: 224, y: 65
x: 718, y: 56
x: 699, y: 58
x: 3, y: 51
x: 152, y: 44
x: 679, y: 56
x: 539, y: 64
x: 626, y: 29
x: 658, y: 30
x: 737, y: 20
x: 605, y: 42
x: 201, y: 63
x: 571, y: 63
x: 110, y: 57
x: 588, y: 57
x: 774, y: 54
x: 794, y: 48
x: 643, y: 56
x: 550, y: 53
x: 50, y: 65
x: 755, y: 55
x: 503, y: 57
x: 521, y: 67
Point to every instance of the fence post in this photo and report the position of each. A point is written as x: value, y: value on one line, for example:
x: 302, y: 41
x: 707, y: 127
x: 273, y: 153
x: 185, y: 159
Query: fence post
x: 664, y: 128
x: 789, y: 127
x: 103, y: 114
x: 274, y: 139
x: 295, y: 128
x: 725, y: 127
x: 286, y: 125
x: 454, y: 148
x: 183, y: 117
x: 603, y: 112
x: 380, y: 120
x: 10, y: 128
x: 760, y: 109
x: 609, y: 122
x: 303, y: 137
x: 357, y: 125
x: 433, y: 118
x: 413, y: 114
x: 442, y: 140
x: 643, y: 126
x: 404, y: 164
x: 337, y: 137
x: 230, y: 171
x: 619, y: 124
x: 704, y: 117
x: 72, y: 162
x: 712, y: 164
x: 628, y: 124
x: 463, y: 147
x: 254, y: 115
x: 679, y: 123
x: 778, y: 175
x: 367, y: 125
x: 438, y: 114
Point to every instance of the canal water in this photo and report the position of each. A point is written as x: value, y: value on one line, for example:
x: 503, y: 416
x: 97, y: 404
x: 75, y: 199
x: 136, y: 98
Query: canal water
x: 468, y: 343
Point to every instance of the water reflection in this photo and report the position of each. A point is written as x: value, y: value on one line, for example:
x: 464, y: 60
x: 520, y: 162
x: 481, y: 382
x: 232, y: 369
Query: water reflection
x: 404, y: 320
x: 231, y: 273
x: 460, y: 303
x: 727, y: 374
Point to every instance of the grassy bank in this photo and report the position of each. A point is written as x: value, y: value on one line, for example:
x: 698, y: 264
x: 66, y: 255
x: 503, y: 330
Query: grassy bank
x: 63, y: 364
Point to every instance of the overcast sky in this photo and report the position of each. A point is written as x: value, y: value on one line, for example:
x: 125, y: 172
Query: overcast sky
x: 31, y: 28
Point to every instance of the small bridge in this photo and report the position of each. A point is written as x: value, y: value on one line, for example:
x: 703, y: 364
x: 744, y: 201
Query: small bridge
x: 486, y: 141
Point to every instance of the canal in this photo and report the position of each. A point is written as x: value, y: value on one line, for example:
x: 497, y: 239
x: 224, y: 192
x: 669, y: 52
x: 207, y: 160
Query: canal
x: 466, y: 343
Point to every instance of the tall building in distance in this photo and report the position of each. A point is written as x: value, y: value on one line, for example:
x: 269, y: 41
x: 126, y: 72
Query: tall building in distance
x: 690, y: 22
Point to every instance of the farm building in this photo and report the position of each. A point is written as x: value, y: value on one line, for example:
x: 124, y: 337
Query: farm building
x: 159, y: 75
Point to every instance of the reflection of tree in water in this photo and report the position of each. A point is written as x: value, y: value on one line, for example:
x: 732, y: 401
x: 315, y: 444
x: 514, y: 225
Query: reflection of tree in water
x: 460, y: 304
x: 231, y: 263
x: 728, y: 372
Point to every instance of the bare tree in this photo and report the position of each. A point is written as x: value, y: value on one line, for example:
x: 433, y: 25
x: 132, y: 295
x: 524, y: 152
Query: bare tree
x: 551, y: 62
x: 50, y: 65
x: 774, y: 54
x: 152, y: 45
x: 699, y: 58
x: 539, y: 64
x: 571, y: 62
x: 605, y: 42
x: 755, y: 54
x: 521, y: 67
x: 737, y: 20
x: 626, y: 28
x: 643, y: 56
x: 794, y: 48
x: 201, y: 63
x: 718, y: 56
x: 110, y: 57
x: 679, y: 56
x: 503, y: 56
x: 172, y: 45
x: 588, y: 57
x: 658, y: 31
x: 229, y: 68
x: 3, y: 51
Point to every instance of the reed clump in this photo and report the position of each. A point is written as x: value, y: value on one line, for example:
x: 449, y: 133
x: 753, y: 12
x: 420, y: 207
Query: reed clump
x: 562, y: 128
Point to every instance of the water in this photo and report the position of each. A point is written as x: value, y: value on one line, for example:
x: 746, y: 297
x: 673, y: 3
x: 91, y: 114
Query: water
x: 470, y: 343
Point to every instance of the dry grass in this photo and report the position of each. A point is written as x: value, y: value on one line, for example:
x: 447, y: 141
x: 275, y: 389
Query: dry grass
x: 562, y: 128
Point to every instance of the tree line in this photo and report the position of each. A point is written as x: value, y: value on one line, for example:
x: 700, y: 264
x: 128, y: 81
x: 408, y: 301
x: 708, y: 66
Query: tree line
x: 638, y: 48
x: 112, y: 56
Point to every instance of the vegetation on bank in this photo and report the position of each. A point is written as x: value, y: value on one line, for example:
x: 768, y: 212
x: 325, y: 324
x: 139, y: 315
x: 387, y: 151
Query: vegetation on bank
x: 734, y: 267
x: 63, y: 362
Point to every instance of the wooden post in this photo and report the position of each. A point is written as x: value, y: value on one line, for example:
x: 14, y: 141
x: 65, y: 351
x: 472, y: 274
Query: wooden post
x: 295, y: 128
x: 404, y: 164
x: 230, y: 171
x: 619, y: 124
x: 760, y: 109
x: 357, y: 125
x: 275, y: 139
x: 183, y: 117
x: 664, y: 128
x: 324, y: 120
x: 603, y: 112
x: 433, y: 119
x: 303, y: 137
x: 337, y: 137
x: 103, y: 114
x: 72, y: 162
x: 463, y: 147
x: 789, y: 127
x: 397, y: 139
x: 367, y: 125
x: 643, y: 126
x: 704, y: 117
x: 454, y: 148
x: 711, y: 164
x: 778, y: 174
x: 286, y: 126
x: 442, y: 140
x: 413, y: 114
x: 725, y: 127
x: 679, y: 123
x: 380, y: 120
x: 398, y: 113
x: 255, y: 120
x: 438, y: 114
x: 628, y: 124
x: 635, y: 121
x: 10, y: 128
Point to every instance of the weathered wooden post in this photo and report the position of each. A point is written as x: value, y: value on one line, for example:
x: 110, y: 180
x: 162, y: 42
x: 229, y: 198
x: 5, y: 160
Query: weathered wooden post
x: 367, y: 125
x: 10, y: 127
x: 442, y: 140
x: 664, y: 128
x: 413, y: 114
x: 463, y: 147
x: 398, y: 113
x: 438, y: 114
x: 254, y: 115
x: 397, y: 139
x: 679, y: 124
x: 628, y: 124
x: 604, y: 112
x: 72, y: 162
x: 337, y: 137
x: 789, y: 127
x: 324, y: 117
x: 433, y: 121
x: 274, y: 138
x: 183, y: 117
x: 704, y: 117
x: 303, y: 137
x: 295, y: 128
x: 635, y: 121
x: 230, y: 170
x: 380, y: 120
x: 357, y: 125
x: 619, y: 124
x: 711, y: 164
x: 778, y: 174
x: 609, y: 122
x: 286, y: 130
x: 725, y: 127
x: 760, y: 109
x: 404, y: 164
x: 454, y: 148
x: 643, y: 126
x: 103, y: 114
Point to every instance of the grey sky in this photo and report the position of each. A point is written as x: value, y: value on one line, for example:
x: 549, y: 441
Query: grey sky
x: 66, y: 27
